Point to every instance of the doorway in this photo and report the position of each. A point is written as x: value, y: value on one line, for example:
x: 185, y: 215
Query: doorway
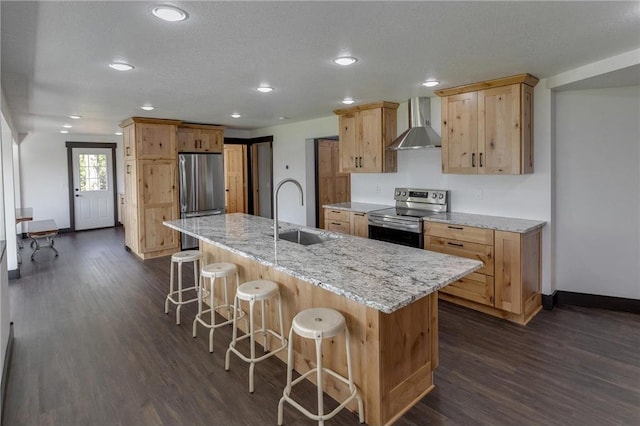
x: 235, y: 178
x: 262, y: 178
x: 333, y: 186
x: 92, y: 192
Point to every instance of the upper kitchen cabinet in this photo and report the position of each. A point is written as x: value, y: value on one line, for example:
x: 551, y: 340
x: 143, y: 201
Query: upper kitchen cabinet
x: 487, y: 127
x: 149, y: 138
x: 200, y: 138
x: 365, y: 133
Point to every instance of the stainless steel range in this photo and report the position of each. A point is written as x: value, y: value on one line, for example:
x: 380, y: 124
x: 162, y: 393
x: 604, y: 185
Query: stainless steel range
x: 403, y: 223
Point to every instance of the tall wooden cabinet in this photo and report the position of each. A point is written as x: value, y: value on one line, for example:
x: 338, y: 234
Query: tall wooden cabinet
x: 365, y: 133
x: 151, y: 186
x: 487, y: 127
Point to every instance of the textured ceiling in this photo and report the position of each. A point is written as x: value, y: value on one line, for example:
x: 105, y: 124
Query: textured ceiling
x: 55, y: 55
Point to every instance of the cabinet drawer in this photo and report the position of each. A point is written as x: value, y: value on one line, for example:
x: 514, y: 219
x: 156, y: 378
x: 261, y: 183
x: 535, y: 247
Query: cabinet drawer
x: 337, y: 226
x: 460, y: 232
x: 474, y: 251
x: 337, y: 215
x: 475, y: 287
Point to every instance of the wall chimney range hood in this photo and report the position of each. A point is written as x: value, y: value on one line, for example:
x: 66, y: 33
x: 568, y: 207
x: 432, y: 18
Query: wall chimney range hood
x: 419, y: 134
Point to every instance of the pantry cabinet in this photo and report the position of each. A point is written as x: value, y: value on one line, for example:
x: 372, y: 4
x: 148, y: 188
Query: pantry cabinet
x: 150, y: 186
x: 487, y: 127
x: 365, y: 133
x: 200, y: 138
x: 508, y: 284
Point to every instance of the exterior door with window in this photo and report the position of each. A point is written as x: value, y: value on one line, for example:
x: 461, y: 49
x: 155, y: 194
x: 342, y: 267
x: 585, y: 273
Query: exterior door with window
x: 93, y: 188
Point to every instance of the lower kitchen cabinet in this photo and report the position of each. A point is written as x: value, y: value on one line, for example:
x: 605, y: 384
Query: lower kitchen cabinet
x: 346, y: 222
x: 508, y: 284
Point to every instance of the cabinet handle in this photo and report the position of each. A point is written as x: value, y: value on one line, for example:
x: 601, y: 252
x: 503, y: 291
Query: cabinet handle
x: 358, y: 214
x: 360, y: 161
x: 334, y: 211
x: 128, y: 149
x: 480, y: 159
x: 449, y: 243
x: 336, y: 223
x: 473, y: 159
x: 128, y: 169
x: 460, y: 228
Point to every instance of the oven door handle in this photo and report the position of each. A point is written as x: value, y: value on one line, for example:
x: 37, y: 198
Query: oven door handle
x: 409, y: 227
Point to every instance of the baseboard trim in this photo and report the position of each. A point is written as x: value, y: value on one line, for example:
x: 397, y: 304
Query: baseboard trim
x: 5, y: 370
x: 550, y: 301
x: 14, y: 274
x: 597, y: 301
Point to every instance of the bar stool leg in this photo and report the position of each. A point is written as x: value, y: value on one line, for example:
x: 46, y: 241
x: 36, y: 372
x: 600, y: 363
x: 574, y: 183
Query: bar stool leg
x: 265, y: 341
x: 287, y: 389
x: 252, y: 342
x: 282, y: 340
x: 213, y: 311
x: 352, y: 386
x: 179, y: 266
x: 195, y: 321
x: 319, y: 380
x: 166, y: 302
x: 234, y: 334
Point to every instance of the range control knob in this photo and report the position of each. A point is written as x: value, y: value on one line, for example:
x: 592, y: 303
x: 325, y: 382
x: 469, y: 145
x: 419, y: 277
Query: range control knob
x: 404, y: 193
x: 441, y: 196
x: 434, y: 195
x: 397, y: 192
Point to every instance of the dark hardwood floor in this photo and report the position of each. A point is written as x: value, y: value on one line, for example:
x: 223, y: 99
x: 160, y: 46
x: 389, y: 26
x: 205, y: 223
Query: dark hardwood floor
x: 94, y: 347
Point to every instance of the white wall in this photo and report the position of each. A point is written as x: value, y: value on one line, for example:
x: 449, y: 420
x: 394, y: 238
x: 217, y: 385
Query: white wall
x: 598, y: 191
x: 44, y: 174
x: 9, y: 197
x: 290, y: 155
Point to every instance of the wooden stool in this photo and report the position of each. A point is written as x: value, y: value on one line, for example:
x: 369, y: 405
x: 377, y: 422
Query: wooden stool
x: 254, y: 291
x: 178, y: 259
x: 212, y: 272
x: 319, y: 324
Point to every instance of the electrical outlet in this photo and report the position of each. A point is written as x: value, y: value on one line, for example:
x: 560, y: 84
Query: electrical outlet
x: 478, y: 194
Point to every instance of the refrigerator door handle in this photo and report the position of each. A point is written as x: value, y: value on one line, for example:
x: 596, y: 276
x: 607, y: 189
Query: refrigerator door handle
x: 183, y: 184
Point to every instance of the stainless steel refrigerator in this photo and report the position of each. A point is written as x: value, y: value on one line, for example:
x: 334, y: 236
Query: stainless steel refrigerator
x: 201, y: 188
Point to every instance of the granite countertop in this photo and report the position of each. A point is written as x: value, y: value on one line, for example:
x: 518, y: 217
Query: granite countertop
x: 499, y: 223
x: 356, y: 207
x: 376, y: 274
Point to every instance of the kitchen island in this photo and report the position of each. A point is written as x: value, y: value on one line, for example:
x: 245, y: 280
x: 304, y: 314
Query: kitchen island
x: 387, y: 293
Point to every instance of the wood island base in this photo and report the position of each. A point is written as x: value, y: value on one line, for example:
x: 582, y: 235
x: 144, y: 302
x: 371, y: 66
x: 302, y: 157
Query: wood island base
x: 393, y: 355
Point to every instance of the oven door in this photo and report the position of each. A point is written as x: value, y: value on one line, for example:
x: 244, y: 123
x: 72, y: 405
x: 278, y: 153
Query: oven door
x: 397, y: 236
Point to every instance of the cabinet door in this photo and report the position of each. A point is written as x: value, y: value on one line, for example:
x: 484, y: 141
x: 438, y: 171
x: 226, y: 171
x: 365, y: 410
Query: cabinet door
x: 359, y: 224
x: 130, y: 205
x: 210, y: 140
x: 475, y: 287
x: 187, y: 140
x: 508, y: 283
x: 155, y: 141
x: 128, y: 142
x: 499, y: 130
x: 370, y: 126
x: 460, y: 133
x: 335, y: 226
x: 158, y: 202
x: 235, y: 178
x: 475, y: 251
x: 349, y: 146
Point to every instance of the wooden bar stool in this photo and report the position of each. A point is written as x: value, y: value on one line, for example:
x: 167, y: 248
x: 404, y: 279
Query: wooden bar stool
x: 177, y: 260
x: 252, y: 292
x: 319, y: 324
x: 213, y: 272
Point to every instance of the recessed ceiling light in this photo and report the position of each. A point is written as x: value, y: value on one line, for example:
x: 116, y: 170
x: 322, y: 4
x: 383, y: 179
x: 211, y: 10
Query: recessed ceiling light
x: 121, y: 66
x: 118, y: 133
x: 345, y: 60
x: 147, y: 107
x: 67, y: 126
x: 431, y: 83
x: 169, y: 13
x: 236, y: 115
x: 75, y: 117
x: 283, y: 118
x: 348, y: 101
x: 64, y: 131
x: 265, y: 89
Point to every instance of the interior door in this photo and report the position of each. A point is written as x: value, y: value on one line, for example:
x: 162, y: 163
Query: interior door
x: 235, y: 178
x: 333, y: 186
x: 93, y: 188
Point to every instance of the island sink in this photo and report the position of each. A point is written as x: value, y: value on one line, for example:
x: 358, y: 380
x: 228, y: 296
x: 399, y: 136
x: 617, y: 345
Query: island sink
x: 301, y: 237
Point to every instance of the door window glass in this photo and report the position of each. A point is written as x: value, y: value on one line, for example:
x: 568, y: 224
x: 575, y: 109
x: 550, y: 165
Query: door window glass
x: 93, y: 172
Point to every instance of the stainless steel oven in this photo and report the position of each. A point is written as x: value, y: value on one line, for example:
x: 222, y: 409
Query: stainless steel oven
x: 403, y: 224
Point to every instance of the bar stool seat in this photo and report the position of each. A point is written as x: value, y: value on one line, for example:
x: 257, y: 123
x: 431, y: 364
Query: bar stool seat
x: 177, y: 259
x: 213, y: 272
x: 319, y: 324
x: 256, y: 291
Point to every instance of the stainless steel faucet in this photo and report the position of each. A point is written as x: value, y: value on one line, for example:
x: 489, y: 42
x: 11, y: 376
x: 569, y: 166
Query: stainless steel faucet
x: 275, y: 203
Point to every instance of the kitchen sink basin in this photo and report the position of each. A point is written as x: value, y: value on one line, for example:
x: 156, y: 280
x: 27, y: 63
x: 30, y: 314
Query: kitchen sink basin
x: 301, y: 237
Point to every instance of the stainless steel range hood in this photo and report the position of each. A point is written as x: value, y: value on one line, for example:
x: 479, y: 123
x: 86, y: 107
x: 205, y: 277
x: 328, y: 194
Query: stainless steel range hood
x: 419, y: 134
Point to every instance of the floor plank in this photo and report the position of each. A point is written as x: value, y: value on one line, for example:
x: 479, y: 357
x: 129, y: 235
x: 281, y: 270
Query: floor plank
x: 94, y: 347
